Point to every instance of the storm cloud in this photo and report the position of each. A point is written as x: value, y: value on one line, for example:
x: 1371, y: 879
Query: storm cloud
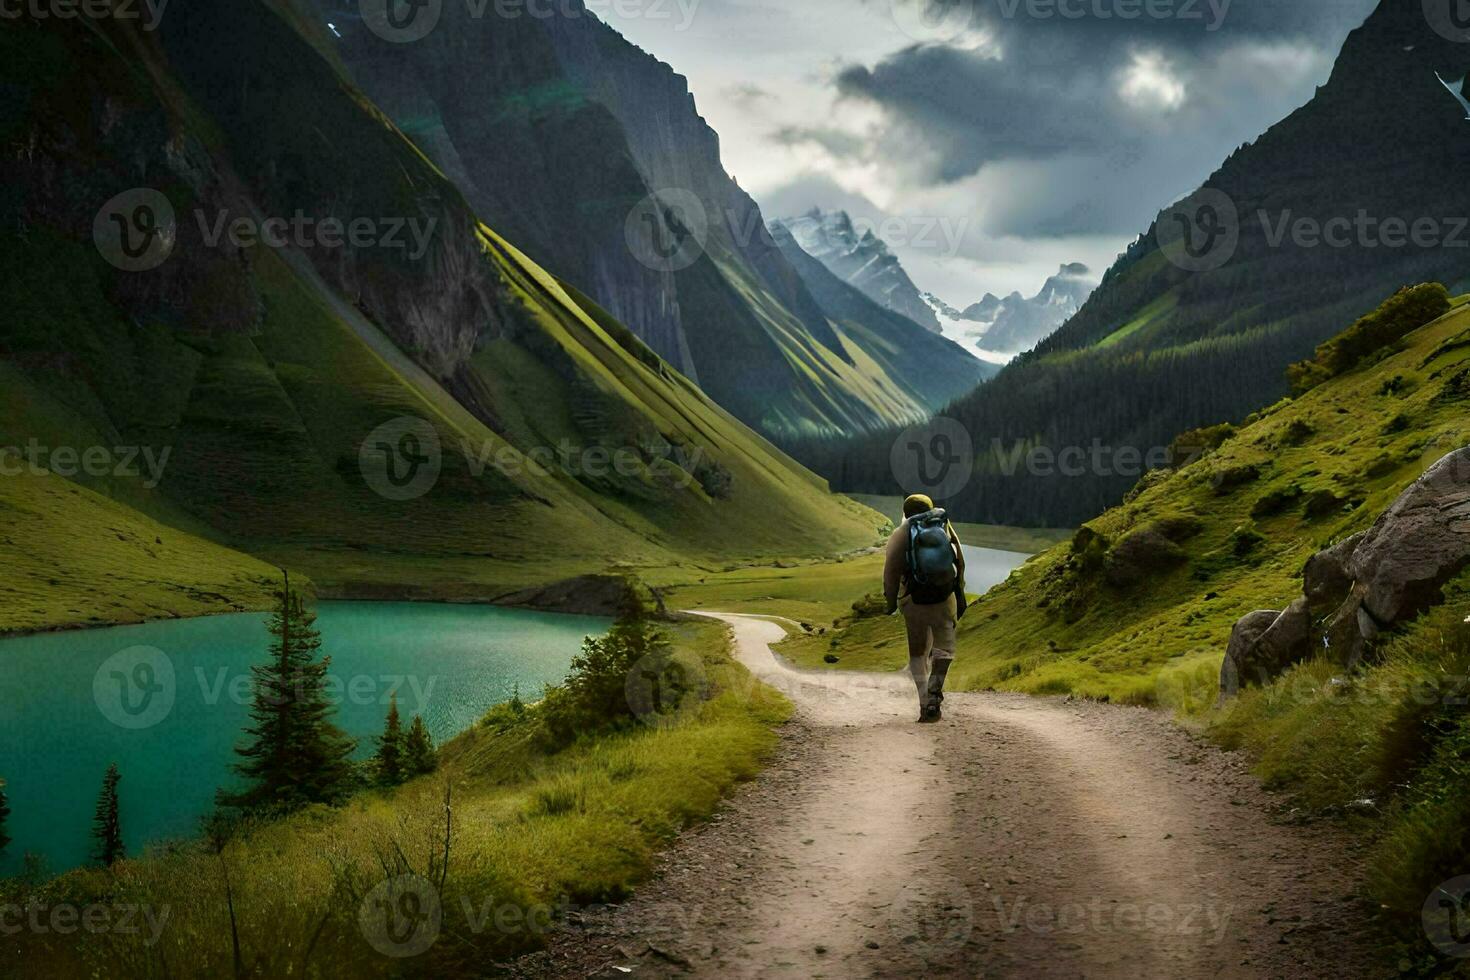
x: 1087, y: 104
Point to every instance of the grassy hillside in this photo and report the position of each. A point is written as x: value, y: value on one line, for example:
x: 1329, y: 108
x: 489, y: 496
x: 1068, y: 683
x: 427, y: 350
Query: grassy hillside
x: 1139, y: 605
x: 259, y: 373
x: 1299, y: 476
x: 73, y: 557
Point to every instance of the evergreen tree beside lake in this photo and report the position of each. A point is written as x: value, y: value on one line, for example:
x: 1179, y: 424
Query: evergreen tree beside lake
x: 419, y: 755
x: 107, y: 821
x: 391, y: 746
x: 4, y: 816
x: 294, y: 754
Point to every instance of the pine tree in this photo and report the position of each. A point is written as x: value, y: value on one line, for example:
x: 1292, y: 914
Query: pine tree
x: 420, y: 757
x: 106, y: 823
x: 294, y: 755
x: 390, y: 747
x: 4, y: 815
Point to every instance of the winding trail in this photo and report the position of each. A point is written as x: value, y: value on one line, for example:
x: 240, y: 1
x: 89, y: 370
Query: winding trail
x: 1019, y: 838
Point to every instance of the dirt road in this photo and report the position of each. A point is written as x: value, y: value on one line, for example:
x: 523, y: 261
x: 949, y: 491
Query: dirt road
x: 1019, y: 838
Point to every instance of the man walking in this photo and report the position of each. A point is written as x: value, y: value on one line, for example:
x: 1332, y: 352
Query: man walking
x: 924, y: 574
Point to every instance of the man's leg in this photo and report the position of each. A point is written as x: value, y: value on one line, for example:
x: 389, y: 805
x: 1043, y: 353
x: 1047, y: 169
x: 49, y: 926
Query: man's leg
x: 943, y: 631
x: 919, y: 637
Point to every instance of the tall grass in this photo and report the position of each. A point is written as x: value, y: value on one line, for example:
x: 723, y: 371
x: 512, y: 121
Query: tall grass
x: 508, y: 837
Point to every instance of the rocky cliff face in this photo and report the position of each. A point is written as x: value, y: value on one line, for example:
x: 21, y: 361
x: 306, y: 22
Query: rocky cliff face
x: 936, y: 369
x: 487, y: 100
x: 590, y: 154
x: 863, y: 260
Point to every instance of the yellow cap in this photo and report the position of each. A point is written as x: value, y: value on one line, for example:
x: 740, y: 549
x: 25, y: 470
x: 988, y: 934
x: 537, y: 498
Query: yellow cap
x: 916, y: 505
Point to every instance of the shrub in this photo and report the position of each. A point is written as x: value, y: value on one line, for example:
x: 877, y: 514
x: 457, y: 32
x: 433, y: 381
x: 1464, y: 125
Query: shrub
x: 1401, y: 314
x: 1244, y: 540
x: 1188, y: 447
x: 595, y: 696
x: 1277, y: 501
x: 869, y: 606
x: 1232, y: 477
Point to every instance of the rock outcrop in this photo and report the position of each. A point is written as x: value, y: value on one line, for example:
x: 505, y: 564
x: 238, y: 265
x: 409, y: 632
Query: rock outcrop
x: 1243, y: 639
x: 1365, y: 584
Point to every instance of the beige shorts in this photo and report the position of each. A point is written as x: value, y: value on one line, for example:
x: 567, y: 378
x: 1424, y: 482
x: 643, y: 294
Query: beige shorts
x: 930, y: 628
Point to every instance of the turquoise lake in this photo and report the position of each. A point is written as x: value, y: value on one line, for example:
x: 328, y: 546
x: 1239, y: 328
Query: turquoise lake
x: 167, y: 701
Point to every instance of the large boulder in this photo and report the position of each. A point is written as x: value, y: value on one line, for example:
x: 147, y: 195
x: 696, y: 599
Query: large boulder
x: 1287, y: 642
x: 1418, y: 545
x: 1248, y: 630
x: 1350, y: 633
x: 1326, y: 579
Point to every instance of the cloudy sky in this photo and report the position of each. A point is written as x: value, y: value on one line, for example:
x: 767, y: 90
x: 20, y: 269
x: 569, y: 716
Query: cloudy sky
x: 989, y: 141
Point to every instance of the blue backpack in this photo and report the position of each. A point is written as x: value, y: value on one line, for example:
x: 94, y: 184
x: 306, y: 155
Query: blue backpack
x: 931, y: 560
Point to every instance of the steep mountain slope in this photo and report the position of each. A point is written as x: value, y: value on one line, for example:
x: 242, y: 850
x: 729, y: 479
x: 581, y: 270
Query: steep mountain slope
x: 934, y: 369
x: 861, y: 260
x: 589, y: 154
x: 266, y: 372
x: 1161, y: 347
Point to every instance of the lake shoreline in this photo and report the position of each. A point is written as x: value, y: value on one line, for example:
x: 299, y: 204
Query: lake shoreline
x: 167, y: 702
x: 523, y: 598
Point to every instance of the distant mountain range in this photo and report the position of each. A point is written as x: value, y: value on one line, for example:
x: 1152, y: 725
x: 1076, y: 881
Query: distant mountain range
x: 1000, y: 329
x: 862, y: 260
x: 590, y: 154
x: 1190, y: 332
